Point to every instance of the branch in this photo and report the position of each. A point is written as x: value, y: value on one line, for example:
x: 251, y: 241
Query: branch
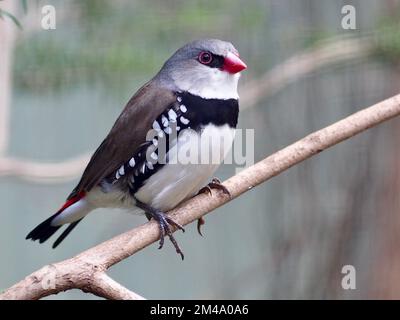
x: 86, y: 270
x: 41, y: 171
x: 74, y: 273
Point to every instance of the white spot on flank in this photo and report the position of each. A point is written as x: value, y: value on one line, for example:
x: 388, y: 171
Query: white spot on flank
x: 184, y: 120
x: 121, y: 170
x: 172, y: 115
x: 156, y: 126
x: 143, y: 168
x: 154, y: 156
x: 117, y: 176
x: 183, y: 108
x: 179, y: 99
x: 164, y: 121
x: 150, y: 165
x: 168, y: 130
x: 132, y: 162
x: 155, y: 142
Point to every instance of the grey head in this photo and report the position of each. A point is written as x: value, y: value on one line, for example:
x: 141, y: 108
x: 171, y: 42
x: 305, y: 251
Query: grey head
x: 209, y: 68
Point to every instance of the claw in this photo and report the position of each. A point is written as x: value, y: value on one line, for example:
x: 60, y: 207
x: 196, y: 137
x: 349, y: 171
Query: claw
x: 216, y: 180
x: 200, y: 222
x: 205, y: 189
x: 214, y: 184
x: 217, y: 184
x: 162, y: 234
x: 175, y: 224
x: 164, y: 223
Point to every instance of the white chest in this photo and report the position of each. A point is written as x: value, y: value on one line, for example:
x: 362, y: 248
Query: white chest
x: 192, y: 161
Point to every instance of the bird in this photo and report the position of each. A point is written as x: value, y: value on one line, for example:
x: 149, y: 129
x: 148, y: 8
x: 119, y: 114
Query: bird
x: 192, y: 103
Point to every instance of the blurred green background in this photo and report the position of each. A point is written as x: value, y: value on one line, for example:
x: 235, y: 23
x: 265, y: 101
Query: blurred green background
x: 288, y: 238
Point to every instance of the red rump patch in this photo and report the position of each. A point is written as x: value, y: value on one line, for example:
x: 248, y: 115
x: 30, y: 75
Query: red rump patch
x: 71, y: 201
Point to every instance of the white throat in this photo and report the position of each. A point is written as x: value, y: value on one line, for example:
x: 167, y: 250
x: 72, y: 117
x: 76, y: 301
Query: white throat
x: 212, y: 84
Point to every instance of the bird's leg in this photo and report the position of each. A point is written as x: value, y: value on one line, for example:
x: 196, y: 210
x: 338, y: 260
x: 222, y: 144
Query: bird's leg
x: 214, y: 184
x: 164, y: 223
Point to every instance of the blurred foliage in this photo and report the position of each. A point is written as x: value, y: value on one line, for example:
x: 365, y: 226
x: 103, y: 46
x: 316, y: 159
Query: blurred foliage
x: 14, y: 19
x: 122, y: 41
x: 131, y: 40
x: 4, y: 13
x: 387, y: 39
x: 95, y: 10
x: 313, y: 38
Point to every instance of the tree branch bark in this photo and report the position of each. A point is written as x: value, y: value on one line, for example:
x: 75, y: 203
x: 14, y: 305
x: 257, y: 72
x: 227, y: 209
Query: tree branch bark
x: 86, y: 271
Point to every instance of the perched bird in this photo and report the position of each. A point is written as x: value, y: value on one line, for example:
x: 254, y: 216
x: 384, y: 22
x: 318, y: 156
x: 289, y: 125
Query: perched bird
x: 194, y: 95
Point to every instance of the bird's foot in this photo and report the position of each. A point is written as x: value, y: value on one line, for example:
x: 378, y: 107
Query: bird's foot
x: 214, y: 184
x: 165, y: 223
x: 217, y: 184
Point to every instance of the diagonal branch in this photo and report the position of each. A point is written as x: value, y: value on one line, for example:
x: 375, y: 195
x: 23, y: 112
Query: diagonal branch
x: 85, y: 270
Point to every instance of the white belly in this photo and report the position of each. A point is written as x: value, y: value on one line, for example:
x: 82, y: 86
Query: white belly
x: 183, y: 176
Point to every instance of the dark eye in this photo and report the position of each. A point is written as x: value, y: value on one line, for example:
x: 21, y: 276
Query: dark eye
x: 205, y: 57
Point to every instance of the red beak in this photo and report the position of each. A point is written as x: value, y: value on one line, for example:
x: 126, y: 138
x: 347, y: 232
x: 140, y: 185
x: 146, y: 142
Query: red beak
x: 233, y: 64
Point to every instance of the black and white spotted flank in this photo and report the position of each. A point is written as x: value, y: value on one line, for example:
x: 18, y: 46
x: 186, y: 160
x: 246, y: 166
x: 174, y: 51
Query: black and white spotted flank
x: 188, y: 112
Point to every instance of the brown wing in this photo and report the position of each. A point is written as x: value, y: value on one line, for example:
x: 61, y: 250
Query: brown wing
x: 127, y: 134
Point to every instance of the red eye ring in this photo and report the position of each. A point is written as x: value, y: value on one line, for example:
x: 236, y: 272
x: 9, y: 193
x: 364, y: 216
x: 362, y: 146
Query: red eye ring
x: 205, y: 57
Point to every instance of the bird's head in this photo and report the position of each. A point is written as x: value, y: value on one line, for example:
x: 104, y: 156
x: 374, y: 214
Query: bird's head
x: 208, y: 68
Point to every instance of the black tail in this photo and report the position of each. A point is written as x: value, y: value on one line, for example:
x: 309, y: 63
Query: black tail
x: 65, y: 233
x: 45, y: 230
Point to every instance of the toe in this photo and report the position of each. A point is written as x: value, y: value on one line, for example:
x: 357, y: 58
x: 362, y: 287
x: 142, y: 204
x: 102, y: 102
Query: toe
x: 200, y: 222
